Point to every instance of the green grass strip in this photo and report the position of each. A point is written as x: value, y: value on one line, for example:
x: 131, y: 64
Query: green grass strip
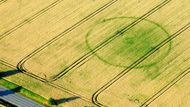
x: 24, y: 91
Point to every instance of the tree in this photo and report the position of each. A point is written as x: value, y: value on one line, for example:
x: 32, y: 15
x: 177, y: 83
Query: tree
x: 51, y: 101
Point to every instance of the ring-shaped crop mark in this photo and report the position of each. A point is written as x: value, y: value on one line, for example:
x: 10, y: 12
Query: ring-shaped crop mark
x: 125, y: 50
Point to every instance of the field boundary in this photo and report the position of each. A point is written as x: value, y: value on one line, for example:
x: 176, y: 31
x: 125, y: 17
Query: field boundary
x: 31, y: 18
x: 7, y: 64
x: 104, y: 43
x: 127, y: 70
x: 20, y: 65
x: 59, y: 87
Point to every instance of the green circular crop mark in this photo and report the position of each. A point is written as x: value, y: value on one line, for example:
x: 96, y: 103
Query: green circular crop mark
x: 127, y: 47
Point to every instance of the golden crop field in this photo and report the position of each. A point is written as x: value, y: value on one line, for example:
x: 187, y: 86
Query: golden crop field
x: 106, y: 53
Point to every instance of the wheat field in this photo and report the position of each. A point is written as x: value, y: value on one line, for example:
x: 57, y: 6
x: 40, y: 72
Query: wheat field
x: 109, y: 53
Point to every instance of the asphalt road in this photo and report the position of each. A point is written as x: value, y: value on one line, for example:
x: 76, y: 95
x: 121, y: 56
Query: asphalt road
x: 16, y: 99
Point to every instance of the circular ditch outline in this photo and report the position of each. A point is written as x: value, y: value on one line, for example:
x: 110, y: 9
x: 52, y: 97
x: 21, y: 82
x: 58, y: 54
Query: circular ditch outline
x: 163, y: 55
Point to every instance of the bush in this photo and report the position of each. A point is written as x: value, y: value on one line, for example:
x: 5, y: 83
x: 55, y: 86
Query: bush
x: 17, y: 89
x: 51, y: 101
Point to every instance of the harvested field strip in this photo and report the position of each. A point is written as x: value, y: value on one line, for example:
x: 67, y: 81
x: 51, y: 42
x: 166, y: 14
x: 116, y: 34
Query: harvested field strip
x: 78, y: 55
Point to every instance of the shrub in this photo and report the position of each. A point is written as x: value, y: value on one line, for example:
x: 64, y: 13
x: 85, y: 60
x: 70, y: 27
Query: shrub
x: 51, y: 101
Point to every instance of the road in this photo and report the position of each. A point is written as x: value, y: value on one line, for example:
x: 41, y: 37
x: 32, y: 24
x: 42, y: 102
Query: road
x: 16, y: 99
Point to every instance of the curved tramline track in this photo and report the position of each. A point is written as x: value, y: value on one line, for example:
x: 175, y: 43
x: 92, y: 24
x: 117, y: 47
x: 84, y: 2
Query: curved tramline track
x: 56, y: 86
x: 36, y: 15
x: 30, y: 74
x: 20, y: 65
x: 117, y: 34
x: 133, y: 65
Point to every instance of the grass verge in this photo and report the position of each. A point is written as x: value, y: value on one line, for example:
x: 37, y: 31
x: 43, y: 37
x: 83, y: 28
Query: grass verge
x: 24, y: 92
